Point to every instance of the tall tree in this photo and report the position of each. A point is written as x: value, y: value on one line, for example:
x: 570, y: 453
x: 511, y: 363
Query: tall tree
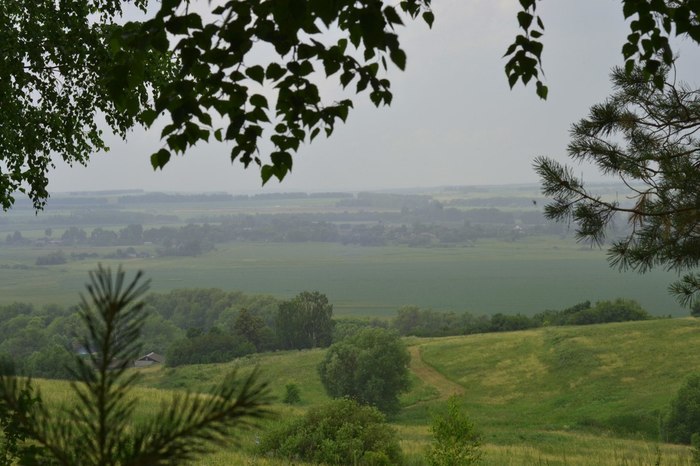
x: 64, y: 65
x: 251, y: 327
x: 646, y: 137
x: 305, y: 321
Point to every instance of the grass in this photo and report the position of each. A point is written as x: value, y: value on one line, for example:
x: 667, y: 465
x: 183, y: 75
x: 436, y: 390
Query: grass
x: 570, y: 396
x: 615, y: 377
x: 494, y: 276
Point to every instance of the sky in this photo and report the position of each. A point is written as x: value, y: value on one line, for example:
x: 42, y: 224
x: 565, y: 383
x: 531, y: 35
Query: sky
x: 453, y: 121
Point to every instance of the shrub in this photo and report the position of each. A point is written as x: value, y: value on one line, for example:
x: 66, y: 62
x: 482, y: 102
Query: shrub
x: 695, y: 309
x: 7, y: 364
x: 684, y: 416
x: 207, y: 348
x: 54, y: 258
x: 292, y: 394
x: 340, y: 432
x: 455, y: 441
x: 695, y: 451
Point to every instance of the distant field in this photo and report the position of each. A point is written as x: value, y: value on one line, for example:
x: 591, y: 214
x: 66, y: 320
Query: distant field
x: 494, y: 276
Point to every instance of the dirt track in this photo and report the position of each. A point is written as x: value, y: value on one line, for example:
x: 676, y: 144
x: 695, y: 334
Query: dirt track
x: 430, y: 376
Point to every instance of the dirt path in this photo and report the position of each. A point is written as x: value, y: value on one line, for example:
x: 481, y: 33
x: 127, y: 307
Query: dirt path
x: 430, y: 376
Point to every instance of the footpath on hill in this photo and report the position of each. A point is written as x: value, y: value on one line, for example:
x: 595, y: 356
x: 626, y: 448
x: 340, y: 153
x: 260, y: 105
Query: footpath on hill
x: 445, y: 387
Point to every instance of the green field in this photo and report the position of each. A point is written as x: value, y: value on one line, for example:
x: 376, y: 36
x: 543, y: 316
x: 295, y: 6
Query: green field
x: 526, y: 276
x: 577, y: 396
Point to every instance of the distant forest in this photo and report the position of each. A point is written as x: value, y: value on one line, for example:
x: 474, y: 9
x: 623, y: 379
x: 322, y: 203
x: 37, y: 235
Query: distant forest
x: 371, y: 219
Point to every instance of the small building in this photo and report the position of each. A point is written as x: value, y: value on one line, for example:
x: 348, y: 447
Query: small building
x: 149, y: 359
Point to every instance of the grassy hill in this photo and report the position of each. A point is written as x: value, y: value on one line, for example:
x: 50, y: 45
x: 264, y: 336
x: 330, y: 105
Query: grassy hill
x: 591, y: 395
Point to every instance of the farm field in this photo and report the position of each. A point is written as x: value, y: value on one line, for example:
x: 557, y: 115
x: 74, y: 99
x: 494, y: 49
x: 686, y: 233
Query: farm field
x: 525, y: 276
x: 593, y: 395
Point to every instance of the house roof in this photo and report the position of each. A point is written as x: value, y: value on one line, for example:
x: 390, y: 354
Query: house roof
x: 152, y: 357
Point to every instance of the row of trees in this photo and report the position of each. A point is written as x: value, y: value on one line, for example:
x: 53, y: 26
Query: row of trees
x: 411, y: 320
x: 367, y: 228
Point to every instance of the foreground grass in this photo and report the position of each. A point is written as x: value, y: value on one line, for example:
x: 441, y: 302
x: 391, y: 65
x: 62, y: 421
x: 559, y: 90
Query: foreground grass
x: 613, y: 377
x: 556, y: 396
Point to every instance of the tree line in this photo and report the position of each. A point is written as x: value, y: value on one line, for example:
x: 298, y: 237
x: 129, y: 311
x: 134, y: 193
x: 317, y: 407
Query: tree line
x: 197, y: 326
x: 409, y: 228
x: 414, y: 321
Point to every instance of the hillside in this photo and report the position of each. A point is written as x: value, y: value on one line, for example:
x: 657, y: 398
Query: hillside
x: 556, y: 396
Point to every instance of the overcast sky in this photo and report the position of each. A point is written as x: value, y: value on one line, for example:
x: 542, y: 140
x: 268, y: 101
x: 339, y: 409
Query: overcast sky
x: 454, y: 120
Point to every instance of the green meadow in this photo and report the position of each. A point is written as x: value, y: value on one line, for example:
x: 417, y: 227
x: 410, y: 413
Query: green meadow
x: 492, y: 276
x: 593, y: 395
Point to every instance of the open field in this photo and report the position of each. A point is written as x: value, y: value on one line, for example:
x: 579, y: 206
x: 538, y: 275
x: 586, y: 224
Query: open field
x: 525, y: 276
x: 557, y: 396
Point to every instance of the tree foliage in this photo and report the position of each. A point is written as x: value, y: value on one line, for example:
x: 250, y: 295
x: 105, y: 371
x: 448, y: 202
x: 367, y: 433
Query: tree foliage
x: 54, y: 59
x: 64, y: 65
x: 455, y: 440
x: 96, y: 430
x: 340, y: 432
x: 305, y: 321
x: 647, y: 138
x: 683, y: 419
x: 370, y: 367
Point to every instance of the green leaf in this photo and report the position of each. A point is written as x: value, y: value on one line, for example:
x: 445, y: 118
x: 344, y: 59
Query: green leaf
x: 305, y: 68
x: 629, y: 50
x: 256, y: 73
x: 258, y: 100
x: 346, y: 77
x: 205, y: 118
x: 629, y: 8
x: 542, y: 90
x: 512, y: 79
x: 266, y: 172
x: 160, y: 158
x: 392, y: 16
x: 282, y: 159
x: 148, y: 116
x: 331, y: 67
x: 429, y: 18
x: 525, y: 20
x: 398, y: 56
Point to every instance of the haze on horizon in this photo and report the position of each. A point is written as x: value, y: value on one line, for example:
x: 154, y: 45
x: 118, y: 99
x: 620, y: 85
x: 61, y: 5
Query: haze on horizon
x: 454, y: 121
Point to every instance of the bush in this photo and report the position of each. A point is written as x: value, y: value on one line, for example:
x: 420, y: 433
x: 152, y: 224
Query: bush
x: 695, y: 451
x: 54, y: 258
x: 684, y: 416
x: 292, y: 394
x: 455, y: 441
x: 695, y: 309
x: 340, y: 432
x: 7, y: 364
x: 207, y: 348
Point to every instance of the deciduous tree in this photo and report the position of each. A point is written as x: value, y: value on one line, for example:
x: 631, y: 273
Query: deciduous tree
x: 65, y: 65
x: 305, y: 321
x: 370, y: 367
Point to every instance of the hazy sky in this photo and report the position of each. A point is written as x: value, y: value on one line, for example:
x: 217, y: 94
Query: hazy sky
x: 454, y: 120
